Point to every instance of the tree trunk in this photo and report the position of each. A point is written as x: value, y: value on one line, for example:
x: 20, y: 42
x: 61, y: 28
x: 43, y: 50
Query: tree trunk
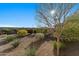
x: 58, y: 48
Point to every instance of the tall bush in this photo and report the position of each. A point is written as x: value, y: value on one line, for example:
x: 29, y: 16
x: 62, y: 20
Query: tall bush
x: 71, y: 28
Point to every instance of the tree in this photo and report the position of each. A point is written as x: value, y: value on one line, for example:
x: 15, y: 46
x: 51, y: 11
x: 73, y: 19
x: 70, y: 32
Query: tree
x: 52, y: 15
x: 71, y: 28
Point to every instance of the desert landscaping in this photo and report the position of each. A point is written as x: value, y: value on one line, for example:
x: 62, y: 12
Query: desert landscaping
x: 33, y: 43
x: 56, y: 32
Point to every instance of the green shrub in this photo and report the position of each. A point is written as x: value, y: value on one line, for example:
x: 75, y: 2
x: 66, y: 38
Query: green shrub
x: 30, y: 31
x: 38, y: 30
x: 39, y: 36
x: 70, y: 31
x: 31, y: 51
x: 7, y: 31
x: 61, y: 45
x: 70, y: 34
x: 22, y: 33
x: 15, y: 43
x: 10, y: 38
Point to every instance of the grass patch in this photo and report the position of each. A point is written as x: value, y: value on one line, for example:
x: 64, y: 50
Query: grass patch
x: 31, y: 51
x: 15, y: 43
x: 10, y: 38
x: 61, y: 45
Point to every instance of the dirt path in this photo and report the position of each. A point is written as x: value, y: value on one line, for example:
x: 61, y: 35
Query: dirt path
x: 20, y: 50
x: 6, y: 47
x: 46, y: 49
x: 71, y: 49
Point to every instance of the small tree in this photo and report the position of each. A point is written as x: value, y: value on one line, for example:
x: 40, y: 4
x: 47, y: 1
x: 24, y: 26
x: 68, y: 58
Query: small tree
x: 71, y: 28
x: 53, y: 16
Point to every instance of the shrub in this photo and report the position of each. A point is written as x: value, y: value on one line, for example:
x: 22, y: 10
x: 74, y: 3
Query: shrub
x: 61, y: 45
x: 33, y: 30
x: 70, y: 34
x: 10, y: 38
x: 15, y: 43
x: 70, y: 31
x: 39, y: 36
x: 7, y: 31
x: 43, y: 30
x: 31, y: 51
x: 30, y: 31
x: 22, y: 33
x: 38, y: 30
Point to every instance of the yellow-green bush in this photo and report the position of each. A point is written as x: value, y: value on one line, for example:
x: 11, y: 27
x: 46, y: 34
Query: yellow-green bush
x: 10, y: 38
x: 22, y: 32
x: 39, y: 36
x: 61, y: 45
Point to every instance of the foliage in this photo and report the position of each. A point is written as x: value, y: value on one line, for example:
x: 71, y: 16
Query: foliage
x: 30, y: 31
x: 31, y: 51
x: 22, y: 32
x: 39, y: 36
x: 41, y: 30
x: 6, y: 31
x: 49, y: 15
x: 10, y: 38
x: 15, y: 43
x: 61, y: 45
x: 71, y: 29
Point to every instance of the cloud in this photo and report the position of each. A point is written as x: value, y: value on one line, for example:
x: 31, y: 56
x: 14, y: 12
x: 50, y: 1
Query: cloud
x: 8, y: 25
x: 3, y: 25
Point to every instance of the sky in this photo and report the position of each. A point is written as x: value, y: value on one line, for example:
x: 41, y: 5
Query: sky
x: 19, y: 14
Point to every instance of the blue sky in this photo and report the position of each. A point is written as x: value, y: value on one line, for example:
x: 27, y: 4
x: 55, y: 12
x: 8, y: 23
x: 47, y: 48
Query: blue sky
x: 19, y: 15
